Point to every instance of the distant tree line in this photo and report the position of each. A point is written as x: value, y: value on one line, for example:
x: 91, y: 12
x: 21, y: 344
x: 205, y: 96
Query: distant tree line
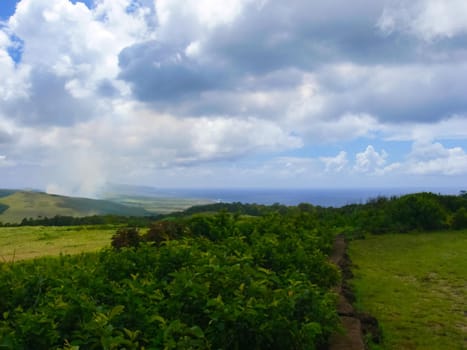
x: 59, y: 220
x: 413, y: 212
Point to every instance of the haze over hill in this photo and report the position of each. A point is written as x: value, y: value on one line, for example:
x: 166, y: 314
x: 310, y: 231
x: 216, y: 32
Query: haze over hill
x: 17, y: 205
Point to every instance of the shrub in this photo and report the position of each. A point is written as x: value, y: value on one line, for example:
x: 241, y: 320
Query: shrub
x: 126, y: 237
x: 459, y: 219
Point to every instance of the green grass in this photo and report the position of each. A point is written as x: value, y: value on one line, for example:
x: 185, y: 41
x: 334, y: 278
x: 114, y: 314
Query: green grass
x: 20, y: 243
x: 159, y: 205
x: 26, y: 204
x: 416, y: 286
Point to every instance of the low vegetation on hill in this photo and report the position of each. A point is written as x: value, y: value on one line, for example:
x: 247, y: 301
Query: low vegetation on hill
x: 209, y: 281
x: 224, y: 276
x: 18, y: 205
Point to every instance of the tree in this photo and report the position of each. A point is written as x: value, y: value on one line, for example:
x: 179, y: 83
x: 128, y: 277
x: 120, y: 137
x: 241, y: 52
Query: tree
x: 126, y: 237
x: 459, y: 219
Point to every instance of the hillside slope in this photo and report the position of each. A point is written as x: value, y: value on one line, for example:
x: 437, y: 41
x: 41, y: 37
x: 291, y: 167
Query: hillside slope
x: 26, y: 204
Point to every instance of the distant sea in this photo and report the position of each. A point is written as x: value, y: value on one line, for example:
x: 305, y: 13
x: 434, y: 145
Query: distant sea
x: 321, y: 197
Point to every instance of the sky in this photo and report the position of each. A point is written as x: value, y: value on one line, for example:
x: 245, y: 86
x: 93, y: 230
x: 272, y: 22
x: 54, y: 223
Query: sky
x: 232, y: 93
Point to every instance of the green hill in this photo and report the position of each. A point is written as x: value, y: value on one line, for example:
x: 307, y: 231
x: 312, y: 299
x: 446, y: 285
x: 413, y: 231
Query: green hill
x: 17, y: 205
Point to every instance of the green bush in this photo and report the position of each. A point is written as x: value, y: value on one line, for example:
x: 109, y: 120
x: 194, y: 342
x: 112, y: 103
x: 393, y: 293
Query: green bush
x: 459, y: 219
x: 126, y: 237
x: 253, y: 283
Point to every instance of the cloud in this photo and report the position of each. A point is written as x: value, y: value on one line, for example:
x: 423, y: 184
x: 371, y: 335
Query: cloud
x: 213, y: 64
x: 203, y: 15
x: 221, y: 138
x: 79, y: 160
x: 396, y: 93
x: 70, y: 61
x: 426, y: 19
x: 160, y: 90
x: 164, y: 73
x: 5, y: 162
x: 435, y: 159
x: 370, y: 161
x: 49, y: 103
x: 2, y: 160
x: 452, y: 128
x: 335, y: 164
x: 13, y: 78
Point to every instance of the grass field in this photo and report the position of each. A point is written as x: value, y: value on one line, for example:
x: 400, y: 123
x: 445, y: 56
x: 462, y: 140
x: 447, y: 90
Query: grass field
x: 17, y: 205
x: 159, y: 205
x: 19, y: 243
x: 26, y: 204
x: 416, y: 286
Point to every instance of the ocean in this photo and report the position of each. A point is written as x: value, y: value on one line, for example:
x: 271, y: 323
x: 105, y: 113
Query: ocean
x: 321, y: 197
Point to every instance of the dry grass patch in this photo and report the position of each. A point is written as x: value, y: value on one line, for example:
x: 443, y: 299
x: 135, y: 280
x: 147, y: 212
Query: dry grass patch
x: 19, y: 243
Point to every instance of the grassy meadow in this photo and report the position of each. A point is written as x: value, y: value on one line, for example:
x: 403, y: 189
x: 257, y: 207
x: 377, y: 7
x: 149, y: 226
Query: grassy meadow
x: 19, y: 243
x: 416, y: 286
x: 159, y: 205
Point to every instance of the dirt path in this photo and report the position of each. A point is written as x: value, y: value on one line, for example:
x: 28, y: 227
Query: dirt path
x: 352, y: 336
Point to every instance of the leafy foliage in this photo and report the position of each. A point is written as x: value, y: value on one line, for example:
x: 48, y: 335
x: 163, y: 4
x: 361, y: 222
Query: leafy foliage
x: 459, y: 219
x: 60, y: 220
x: 413, y: 212
x: 207, y: 281
x: 213, y: 277
x: 126, y: 237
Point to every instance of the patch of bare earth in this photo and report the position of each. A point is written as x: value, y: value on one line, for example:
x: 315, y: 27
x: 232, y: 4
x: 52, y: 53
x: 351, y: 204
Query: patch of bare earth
x: 355, y: 325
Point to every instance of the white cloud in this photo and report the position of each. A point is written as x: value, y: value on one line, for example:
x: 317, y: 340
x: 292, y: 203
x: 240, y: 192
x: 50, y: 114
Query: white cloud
x: 132, y: 142
x: 335, y: 164
x: 77, y: 43
x: 435, y: 159
x: 221, y: 137
x: 427, y: 19
x: 344, y: 128
x: 198, y: 16
x: 370, y: 161
x: 5, y: 162
x: 177, y: 89
x: 13, y: 79
x: 452, y: 128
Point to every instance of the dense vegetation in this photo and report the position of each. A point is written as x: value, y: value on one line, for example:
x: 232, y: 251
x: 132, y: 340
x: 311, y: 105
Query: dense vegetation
x: 207, y: 281
x: 224, y: 276
x: 60, y: 220
x: 412, y: 212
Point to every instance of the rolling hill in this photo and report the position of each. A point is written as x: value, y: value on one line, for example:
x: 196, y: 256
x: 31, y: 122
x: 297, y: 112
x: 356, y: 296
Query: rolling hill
x: 16, y: 205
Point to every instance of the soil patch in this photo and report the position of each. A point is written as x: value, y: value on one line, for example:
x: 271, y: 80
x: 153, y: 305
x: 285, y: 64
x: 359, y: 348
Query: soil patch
x: 356, y: 326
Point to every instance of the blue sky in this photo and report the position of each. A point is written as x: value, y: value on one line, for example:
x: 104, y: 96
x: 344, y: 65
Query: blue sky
x: 7, y: 9
x: 233, y: 93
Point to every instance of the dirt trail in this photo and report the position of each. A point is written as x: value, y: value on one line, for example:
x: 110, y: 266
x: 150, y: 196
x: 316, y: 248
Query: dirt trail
x: 354, y: 324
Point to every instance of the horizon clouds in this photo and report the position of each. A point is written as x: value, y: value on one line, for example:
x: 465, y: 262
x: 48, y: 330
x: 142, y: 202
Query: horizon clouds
x: 238, y: 93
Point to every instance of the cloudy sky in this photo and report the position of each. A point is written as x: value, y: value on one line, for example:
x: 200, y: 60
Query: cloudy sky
x: 232, y: 93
